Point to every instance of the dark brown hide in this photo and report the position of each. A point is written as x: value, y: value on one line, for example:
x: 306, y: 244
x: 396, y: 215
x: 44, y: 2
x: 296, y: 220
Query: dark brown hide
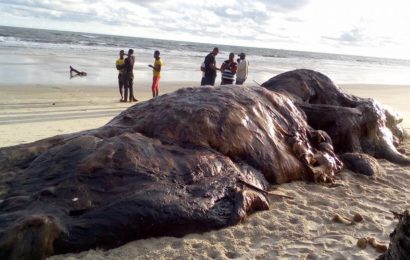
x: 194, y: 160
x: 399, y: 248
x: 356, y: 125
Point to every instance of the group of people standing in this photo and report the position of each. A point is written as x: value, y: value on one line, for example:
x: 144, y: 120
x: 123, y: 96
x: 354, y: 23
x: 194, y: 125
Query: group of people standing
x: 229, y: 69
x: 125, y: 67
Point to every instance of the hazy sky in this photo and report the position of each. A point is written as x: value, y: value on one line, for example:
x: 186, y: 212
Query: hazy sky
x: 363, y: 27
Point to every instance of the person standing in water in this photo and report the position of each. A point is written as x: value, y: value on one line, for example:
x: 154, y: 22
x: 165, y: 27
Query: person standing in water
x: 156, y: 69
x: 129, y: 77
x: 120, y: 65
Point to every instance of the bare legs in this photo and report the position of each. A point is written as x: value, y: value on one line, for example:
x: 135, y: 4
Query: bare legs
x: 155, y: 86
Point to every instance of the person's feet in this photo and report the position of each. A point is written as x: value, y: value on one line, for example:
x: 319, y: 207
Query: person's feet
x: 134, y: 100
x: 123, y: 100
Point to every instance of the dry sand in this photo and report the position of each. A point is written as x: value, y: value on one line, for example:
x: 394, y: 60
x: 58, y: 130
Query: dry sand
x: 30, y: 113
x: 298, y: 228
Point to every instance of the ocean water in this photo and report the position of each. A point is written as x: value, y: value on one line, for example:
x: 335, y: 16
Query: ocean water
x: 37, y: 57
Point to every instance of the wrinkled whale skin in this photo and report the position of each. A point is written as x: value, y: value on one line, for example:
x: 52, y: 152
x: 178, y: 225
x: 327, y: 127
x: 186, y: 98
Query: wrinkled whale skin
x: 194, y: 160
x: 190, y: 161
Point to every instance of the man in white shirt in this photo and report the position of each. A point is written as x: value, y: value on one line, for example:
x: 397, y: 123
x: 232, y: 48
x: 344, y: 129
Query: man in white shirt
x: 242, y: 73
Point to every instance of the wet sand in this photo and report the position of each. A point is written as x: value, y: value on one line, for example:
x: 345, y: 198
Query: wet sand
x: 298, y: 228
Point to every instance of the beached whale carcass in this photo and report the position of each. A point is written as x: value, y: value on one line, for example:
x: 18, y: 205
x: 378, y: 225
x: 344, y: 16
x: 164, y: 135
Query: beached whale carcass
x: 356, y: 125
x: 190, y: 161
x: 194, y: 160
x: 399, y: 247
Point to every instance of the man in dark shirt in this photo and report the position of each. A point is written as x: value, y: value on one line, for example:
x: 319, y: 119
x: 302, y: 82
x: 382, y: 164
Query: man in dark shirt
x: 129, y: 76
x: 210, y: 68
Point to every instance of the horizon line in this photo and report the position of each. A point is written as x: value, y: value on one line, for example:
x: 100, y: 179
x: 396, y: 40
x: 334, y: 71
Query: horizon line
x: 208, y: 43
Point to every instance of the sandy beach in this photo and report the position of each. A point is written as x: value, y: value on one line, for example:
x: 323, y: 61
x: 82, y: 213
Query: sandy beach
x: 298, y: 228
x: 30, y: 113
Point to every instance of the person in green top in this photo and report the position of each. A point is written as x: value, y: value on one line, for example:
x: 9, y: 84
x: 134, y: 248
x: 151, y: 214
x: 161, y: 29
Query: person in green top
x: 120, y: 64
